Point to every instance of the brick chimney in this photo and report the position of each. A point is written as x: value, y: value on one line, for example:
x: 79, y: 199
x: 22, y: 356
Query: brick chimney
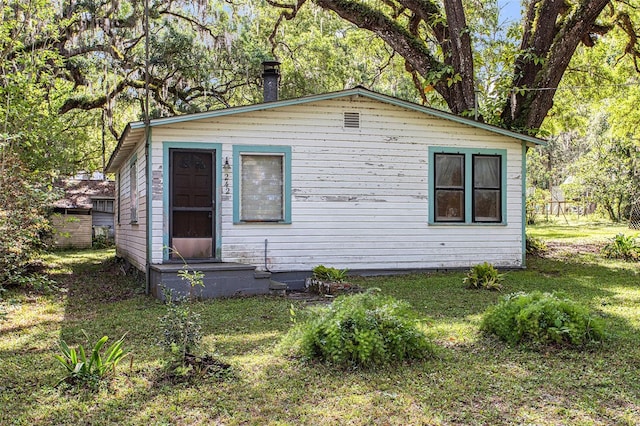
x: 270, y: 80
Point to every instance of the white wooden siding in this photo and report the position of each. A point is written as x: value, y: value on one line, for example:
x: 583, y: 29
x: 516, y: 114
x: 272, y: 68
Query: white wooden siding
x: 359, y: 196
x: 130, y: 237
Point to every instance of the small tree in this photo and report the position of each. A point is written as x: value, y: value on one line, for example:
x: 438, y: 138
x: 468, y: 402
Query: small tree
x: 606, y: 171
x: 23, y: 221
x: 536, y: 203
x: 181, y: 327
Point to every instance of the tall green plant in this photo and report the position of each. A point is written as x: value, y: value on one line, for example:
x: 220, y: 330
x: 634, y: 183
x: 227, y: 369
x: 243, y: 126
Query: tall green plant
x: 330, y: 274
x: 485, y: 276
x: 90, y: 370
x: 181, y: 326
x: 622, y: 246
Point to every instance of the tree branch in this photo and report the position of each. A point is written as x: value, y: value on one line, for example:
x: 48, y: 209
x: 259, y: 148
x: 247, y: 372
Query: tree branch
x: 546, y: 52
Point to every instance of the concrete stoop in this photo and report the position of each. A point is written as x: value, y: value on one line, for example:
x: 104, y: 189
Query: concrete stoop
x: 220, y: 280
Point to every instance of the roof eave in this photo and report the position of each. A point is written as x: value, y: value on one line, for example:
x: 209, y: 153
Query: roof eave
x: 119, y: 153
x: 116, y: 159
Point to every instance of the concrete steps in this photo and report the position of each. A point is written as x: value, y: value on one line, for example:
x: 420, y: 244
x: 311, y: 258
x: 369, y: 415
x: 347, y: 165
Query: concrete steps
x: 220, y: 280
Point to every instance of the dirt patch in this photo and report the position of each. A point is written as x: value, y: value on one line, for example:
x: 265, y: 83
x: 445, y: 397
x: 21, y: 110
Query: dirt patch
x: 561, y: 250
x: 195, y: 368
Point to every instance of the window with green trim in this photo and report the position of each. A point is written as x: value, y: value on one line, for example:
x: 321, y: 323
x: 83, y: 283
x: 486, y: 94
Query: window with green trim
x: 450, y: 188
x: 467, y: 186
x: 262, y: 184
x: 487, y: 188
x: 261, y: 188
x: 119, y: 180
x: 133, y: 190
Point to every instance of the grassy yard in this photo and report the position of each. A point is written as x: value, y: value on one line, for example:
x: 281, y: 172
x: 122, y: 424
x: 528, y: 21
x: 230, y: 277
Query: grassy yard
x: 474, y: 379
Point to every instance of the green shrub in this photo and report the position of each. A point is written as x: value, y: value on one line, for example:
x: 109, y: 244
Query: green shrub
x: 89, y: 371
x: 363, y: 329
x: 181, y: 327
x: 24, y: 201
x: 622, y: 247
x: 535, y: 246
x: 102, y: 242
x: 484, y: 276
x: 35, y: 281
x: 541, y: 319
x: 334, y: 275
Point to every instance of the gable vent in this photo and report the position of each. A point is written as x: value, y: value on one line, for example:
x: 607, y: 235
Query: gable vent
x: 352, y: 120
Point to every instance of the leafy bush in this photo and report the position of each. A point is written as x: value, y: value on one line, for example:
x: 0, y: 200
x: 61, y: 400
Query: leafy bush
x: 540, y: 319
x: 363, y: 329
x: 324, y: 273
x: 622, y: 247
x: 535, y: 246
x: 484, y: 276
x: 181, y: 327
x: 23, y: 206
x: 102, y: 242
x: 83, y: 370
x: 35, y: 281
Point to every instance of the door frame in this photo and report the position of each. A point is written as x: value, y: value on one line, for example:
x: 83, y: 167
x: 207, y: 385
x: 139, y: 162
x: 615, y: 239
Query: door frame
x: 165, y: 187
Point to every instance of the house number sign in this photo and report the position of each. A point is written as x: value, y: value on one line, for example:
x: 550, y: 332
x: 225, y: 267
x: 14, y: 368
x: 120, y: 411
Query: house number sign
x: 227, y: 189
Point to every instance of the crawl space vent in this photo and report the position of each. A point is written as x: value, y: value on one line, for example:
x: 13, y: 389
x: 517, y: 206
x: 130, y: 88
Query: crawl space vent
x: 352, y: 120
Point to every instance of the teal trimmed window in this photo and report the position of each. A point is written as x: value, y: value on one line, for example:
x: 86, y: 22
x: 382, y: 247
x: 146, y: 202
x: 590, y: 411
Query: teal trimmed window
x: 119, y: 196
x: 262, y: 184
x: 467, y: 186
x: 133, y: 189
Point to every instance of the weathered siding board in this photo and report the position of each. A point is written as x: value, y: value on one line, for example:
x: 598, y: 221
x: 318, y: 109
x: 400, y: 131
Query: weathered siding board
x: 130, y: 237
x: 359, y: 197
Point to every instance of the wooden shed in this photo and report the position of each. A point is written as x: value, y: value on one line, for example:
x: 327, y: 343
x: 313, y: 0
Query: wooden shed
x: 86, y: 209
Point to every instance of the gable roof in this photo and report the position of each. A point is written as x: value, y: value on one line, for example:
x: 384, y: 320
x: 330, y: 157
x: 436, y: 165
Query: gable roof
x: 79, y: 194
x: 135, y: 131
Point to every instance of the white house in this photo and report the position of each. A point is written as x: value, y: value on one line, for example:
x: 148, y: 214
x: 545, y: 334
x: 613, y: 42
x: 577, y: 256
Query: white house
x: 351, y: 179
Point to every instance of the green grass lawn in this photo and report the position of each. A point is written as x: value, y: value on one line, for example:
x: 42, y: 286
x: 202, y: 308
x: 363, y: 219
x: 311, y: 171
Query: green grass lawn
x: 579, y: 231
x: 474, y: 379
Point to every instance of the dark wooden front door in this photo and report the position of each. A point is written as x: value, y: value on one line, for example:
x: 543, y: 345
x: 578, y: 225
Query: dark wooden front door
x: 192, y: 203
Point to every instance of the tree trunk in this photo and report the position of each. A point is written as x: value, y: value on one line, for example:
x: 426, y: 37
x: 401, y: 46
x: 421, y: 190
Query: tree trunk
x: 460, y: 56
x: 551, y: 36
x: 455, y: 77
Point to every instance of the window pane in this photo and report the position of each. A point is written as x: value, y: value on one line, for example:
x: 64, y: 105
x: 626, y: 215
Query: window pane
x: 192, y: 174
x: 449, y: 206
x: 133, y: 191
x: 192, y: 224
x: 487, y: 205
x: 449, y: 171
x: 486, y: 171
x: 261, y: 188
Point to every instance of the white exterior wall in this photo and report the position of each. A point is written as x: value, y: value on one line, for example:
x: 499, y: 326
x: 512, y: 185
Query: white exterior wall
x: 129, y: 235
x: 359, y: 196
